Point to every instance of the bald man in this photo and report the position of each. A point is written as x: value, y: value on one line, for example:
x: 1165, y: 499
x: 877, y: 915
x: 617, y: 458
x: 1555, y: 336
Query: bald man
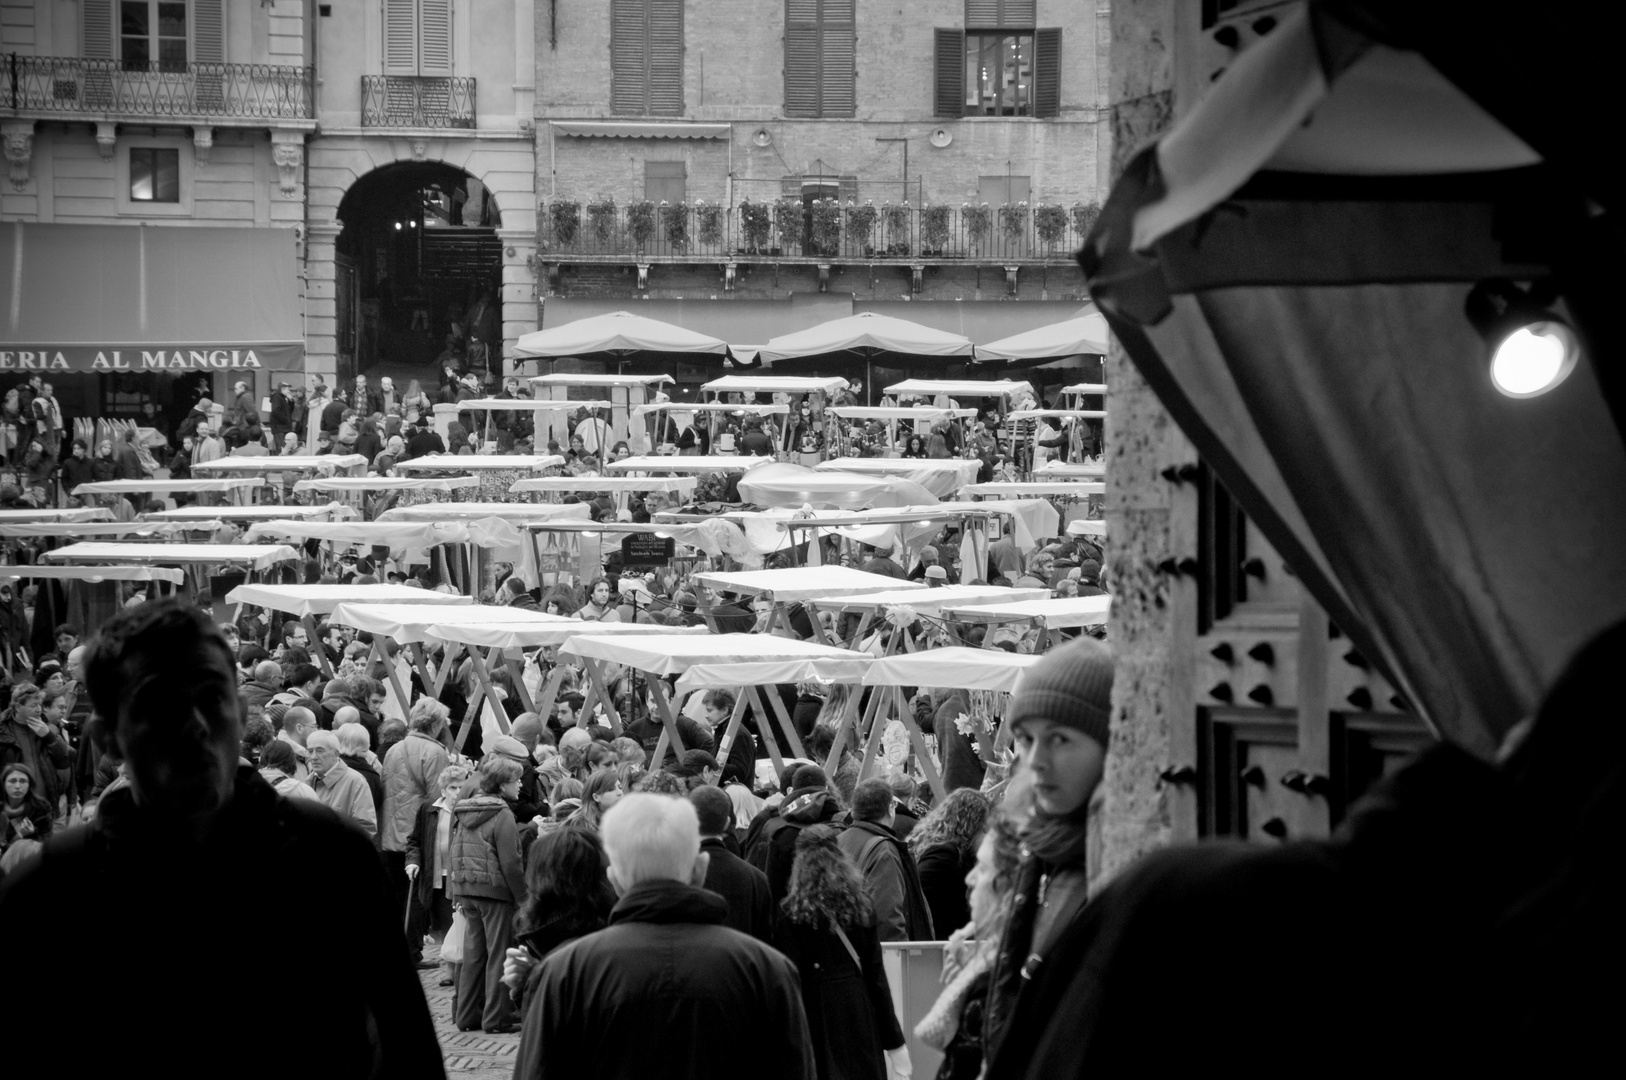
x: 266, y: 684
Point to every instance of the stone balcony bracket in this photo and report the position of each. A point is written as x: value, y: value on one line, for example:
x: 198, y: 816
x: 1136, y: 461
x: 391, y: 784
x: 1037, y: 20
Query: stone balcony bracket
x: 824, y: 277
x: 1010, y: 279
x: 643, y: 277
x: 730, y: 273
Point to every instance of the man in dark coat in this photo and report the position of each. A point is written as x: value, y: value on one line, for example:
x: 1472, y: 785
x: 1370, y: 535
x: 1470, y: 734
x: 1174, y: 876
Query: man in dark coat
x: 196, y: 839
x: 773, y: 849
x: 650, y: 994
x: 425, y: 440
x: 742, y: 886
x: 890, y: 876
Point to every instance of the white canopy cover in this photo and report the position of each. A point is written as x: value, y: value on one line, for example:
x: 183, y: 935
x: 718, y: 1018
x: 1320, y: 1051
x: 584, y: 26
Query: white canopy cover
x: 512, y: 512
x: 784, y: 484
x: 616, y: 332
x: 601, y: 380
x: 120, y: 487
x: 94, y: 573
x: 768, y: 384
x: 940, y: 476
x: 391, y: 534
x: 249, y: 513
x: 867, y: 332
x: 530, y: 635
x: 88, y: 513
x: 954, y: 666
x: 671, y: 485
x: 976, y: 388
x: 1058, y: 614
x: 679, y: 463
x: 407, y: 623
x: 302, y: 600
x: 673, y: 654
x: 446, y: 484
x: 259, y: 556
x: 1070, y: 337
x: 803, y: 582
x: 931, y: 601
x: 479, y: 462
x: 262, y: 465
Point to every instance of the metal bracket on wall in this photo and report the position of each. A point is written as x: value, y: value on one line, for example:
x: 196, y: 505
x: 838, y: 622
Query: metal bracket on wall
x: 824, y: 277
x: 730, y: 270
x: 1010, y: 279
x: 643, y: 277
x: 917, y: 276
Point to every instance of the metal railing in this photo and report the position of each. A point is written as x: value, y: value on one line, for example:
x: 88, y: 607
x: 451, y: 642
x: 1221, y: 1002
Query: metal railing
x: 790, y: 229
x: 77, y: 84
x: 424, y: 101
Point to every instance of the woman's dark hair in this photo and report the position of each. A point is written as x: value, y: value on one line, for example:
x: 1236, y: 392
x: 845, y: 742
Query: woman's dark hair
x: 257, y: 734
x: 958, y: 821
x: 38, y: 810
x: 825, y: 886
x: 591, y: 813
x: 278, y: 754
x: 566, y: 878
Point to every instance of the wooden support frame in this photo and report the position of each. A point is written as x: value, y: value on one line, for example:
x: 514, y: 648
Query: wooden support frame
x: 669, y: 730
x: 317, y: 648
x: 917, y: 739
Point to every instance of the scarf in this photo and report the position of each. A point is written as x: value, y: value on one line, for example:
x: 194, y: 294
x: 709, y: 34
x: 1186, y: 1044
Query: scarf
x: 1058, y: 842
x: 942, y: 1022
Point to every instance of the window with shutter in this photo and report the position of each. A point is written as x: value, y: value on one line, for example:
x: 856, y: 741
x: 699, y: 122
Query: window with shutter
x: 96, y: 28
x: 820, y: 58
x: 400, y: 37
x: 1001, y: 14
x: 208, y: 31
x: 665, y: 57
x: 646, y: 57
x: 1047, y: 72
x: 948, y: 92
x: 434, y: 37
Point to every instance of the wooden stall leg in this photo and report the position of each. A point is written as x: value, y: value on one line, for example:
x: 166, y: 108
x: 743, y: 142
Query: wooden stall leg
x: 420, y: 661
x: 550, y: 693
x: 516, y: 674
x: 595, y: 675
x: 778, y: 704
x: 766, y: 728
x: 735, y: 722
x: 877, y: 725
x: 484, y: 677
x: 448, y: 664
x: 657, y: 690
x: 849, y: 717
x: 317, y: 649
x: 402, y: 694
x: 918, y: 739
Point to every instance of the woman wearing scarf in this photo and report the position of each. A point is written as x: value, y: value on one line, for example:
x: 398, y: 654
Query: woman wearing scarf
x: 1060, y: 717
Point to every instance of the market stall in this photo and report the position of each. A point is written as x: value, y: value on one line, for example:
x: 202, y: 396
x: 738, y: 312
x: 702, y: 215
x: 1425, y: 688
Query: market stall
x: 487, y: 427
x: 195, y: 559
x: 353, y: 464
x: 92, y: 593
x: 890, y: 612
x: 310, y: 603
x: 575, y: 551
x: 783, y: 484
x: 551, y: 488
x: 658, y: 423
x: 238, y: 488
x: 494, y: 472
x: 1042, y: 618
x: 354, y: 490
x: 783, y: 587
x: 1075, y: 425
x: 627, y: 394
x: 943, y: 477
x: 921, y: 417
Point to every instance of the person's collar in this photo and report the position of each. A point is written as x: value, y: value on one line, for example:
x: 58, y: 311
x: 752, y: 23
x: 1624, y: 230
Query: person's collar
x: 334, y: 771
x: 712, y: 842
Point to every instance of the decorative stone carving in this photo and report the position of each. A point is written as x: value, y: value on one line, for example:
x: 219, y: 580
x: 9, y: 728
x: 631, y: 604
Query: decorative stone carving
x: 917, y: 275
x: 203, y: 140
x: 19, y: 143
x: 824, y: 277
x: 420, y: 149
x: 730, y: 275
x: 288, y: 152
x: 106, y: 136
x: 1010, y: 279
x: 643, y: 277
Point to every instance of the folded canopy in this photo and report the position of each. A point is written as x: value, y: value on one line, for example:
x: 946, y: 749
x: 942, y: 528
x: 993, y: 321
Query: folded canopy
x: 679, y: 463
x: 302, y: 600
x: 121, y: 487
x: 480, y: 462
x: 1289, y: 267
x: 802, y: 582
x: 447, y: 484
x: 511, y: 512
x: 784, y: 484
x: 1085, y: 334
x: 249, y: 513
x: 673, y: 654
x: 973, y: 388
x: 531, y: 635
x: 955, y: 667
x: 88, y: 513
x: 258, y: 556
x: 407, y: 623
x: 1059, y: 613
x: 390, y: 534
x: 93, y: 573
x: 930, y: 601
x: 259, y: 466
x: 775, y: 384
x: 618, y: 333
x: 940, y: 476
x: 671, y: 485
x: 866, y: 334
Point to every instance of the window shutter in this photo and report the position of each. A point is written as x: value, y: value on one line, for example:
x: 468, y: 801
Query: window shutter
x: 666, y: 57
x: 628, y: 56
x: 208, y: 32
x: 96, y: 31
x: 1047, y: 72
x: 802, y: 70
x: 837, y: 59
x: 949, y: 90
x: 1000, y: 14
x: 400, y: 37
x: 849, y: 188
x: 434, y: 37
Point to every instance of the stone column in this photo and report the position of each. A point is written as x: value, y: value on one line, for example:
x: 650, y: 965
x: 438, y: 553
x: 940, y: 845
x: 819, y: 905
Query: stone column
x: 321, y: 300
x: 519, y: 311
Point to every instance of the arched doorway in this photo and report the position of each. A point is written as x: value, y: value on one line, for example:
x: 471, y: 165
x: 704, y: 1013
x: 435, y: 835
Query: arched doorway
x: 418, y: 274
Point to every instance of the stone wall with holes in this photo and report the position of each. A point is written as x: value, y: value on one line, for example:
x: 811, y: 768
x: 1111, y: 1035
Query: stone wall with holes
x: 762, y: 282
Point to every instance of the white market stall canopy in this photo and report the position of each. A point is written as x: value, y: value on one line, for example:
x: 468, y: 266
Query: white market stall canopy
x: 953, y: 667
x: 600, y: 380
x: 802, y: 582
x: 1057, y: 414
x: 756, y: 408
x: 1057, y: 614
x: 915, y: 412
x: 390, y: 534
x: 531, y: 635
x: 317, y: 600
x: 775, y: 659
x: 977, y: 388
x: 670, y: 485
x: 769, y: 384
x: 1033, y: 520
x: 94, y: 573
x: 515, y: 512
x: 270, y: 464
x: 940, y: 476
x: 1087, y: 527
x: 88, y: 513
x: 1085, y: 388
x: 931, y: 601
x: 1063, y: 470
x: 258, y: 556
x: 64, y: 529
x: 444, y: 484
x: 200, y: 514
x: 1074, y: 488
x: 679, y: 463
x: 189, y: 487
x: 783, y: 484
x: 1084, y: 334
x: 452, y: 408
x: 616, y: 332
x: 479, y: 462
x: 867, y: 333
x: 408, y: 623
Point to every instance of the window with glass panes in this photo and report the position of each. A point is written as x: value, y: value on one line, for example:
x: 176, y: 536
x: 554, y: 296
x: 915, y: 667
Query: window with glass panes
x: 998, y: 74
x: 155, y: 175
x: 1000, y: 64
x: 152, y: 35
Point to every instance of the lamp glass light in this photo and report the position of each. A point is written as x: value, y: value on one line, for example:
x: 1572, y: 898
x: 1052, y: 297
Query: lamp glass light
x: 1534, y: 358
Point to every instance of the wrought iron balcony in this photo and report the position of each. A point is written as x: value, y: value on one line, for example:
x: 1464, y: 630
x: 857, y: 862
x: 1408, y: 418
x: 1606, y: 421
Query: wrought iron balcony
x: 824, y: 231
x: 417, y: 101
x: 83, y: 85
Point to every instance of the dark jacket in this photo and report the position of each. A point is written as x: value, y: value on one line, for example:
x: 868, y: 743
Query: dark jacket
x: 426, y: 441
x: 485, y: 850
x: 76, y: 471
x: 849, y: 1006
x: 666, y: 990
x: 46, y: 755
x: 774, y: 848
x: 375, y: 783
x: 942, y: 878
x: 420, y: 852
x: 375, y: 1021
x: 743, y: 888
x: 891, y: 879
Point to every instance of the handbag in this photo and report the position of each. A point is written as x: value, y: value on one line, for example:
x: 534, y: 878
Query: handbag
x: 451, y: 949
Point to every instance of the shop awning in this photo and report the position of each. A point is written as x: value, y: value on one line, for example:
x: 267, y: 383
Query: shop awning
x: 613, y: 129
x: 131, y: 298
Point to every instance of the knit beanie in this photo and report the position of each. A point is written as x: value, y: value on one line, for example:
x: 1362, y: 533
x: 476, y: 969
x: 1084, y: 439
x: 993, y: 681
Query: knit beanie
x: 1071, y: 686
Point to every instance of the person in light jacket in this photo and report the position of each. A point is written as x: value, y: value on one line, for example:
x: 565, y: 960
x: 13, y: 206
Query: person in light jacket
x: 341, y: 788
x: 488, y: 884
x: 412, y: 768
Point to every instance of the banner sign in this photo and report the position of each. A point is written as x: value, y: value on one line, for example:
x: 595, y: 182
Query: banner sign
x: 646, y: 549
x: 153, y: 357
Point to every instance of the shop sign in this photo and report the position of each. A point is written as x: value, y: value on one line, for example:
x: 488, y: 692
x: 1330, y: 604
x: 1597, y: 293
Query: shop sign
x: 152, y: 358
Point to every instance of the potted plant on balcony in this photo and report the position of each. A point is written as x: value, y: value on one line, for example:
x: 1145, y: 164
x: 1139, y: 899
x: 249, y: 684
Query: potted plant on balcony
x: 675, y: 223
x: 565, y: 217
x: 788, y: 218
x: 1013, y: 221
x: 756, y: 223
x: 896, y: 219
x: 1084, y: 215
x: 1050, y: 222
x: 978, y: 220
x: 934, y: 229
x: 641, y: 221
x: 708, y: 223
x: 826, y: 226
x: 861, y: 223
x: 601, y: 219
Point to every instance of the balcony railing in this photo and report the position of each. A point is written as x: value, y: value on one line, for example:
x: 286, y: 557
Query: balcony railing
x: 76, y: 84
x: 820, y: 232
x: 417, y: 101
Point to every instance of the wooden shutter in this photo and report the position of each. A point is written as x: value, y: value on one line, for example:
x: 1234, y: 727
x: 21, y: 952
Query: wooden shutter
x: 802, y: 57
x: 400, y: 37
x: 665, y: 57
x: 948, y: 93
x: 1000, y: 14
x: 434, y: 37
x: 628, y: 56
x: 208, y: 31
x: 1047, y: 72
x: 838, y: 38
x: 96, y: 28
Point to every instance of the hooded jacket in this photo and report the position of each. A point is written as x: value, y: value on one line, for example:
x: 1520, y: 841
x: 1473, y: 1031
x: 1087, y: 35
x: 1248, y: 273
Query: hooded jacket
x: 485, y: 850
x: 775, y: 850
x: 667, y: 965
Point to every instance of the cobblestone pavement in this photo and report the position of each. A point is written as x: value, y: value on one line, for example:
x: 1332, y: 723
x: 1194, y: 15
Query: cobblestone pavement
x: 469, y: 1055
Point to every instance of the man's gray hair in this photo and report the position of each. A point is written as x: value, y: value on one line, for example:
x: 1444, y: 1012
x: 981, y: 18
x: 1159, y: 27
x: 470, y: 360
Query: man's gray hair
x: 353, y: 739
x: 651, y: 838
x: 325, y: 738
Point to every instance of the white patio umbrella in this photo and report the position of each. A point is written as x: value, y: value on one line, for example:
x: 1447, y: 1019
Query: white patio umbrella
x: 620, y: 333
x: 866, y: 334
x: 1071, y: 337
